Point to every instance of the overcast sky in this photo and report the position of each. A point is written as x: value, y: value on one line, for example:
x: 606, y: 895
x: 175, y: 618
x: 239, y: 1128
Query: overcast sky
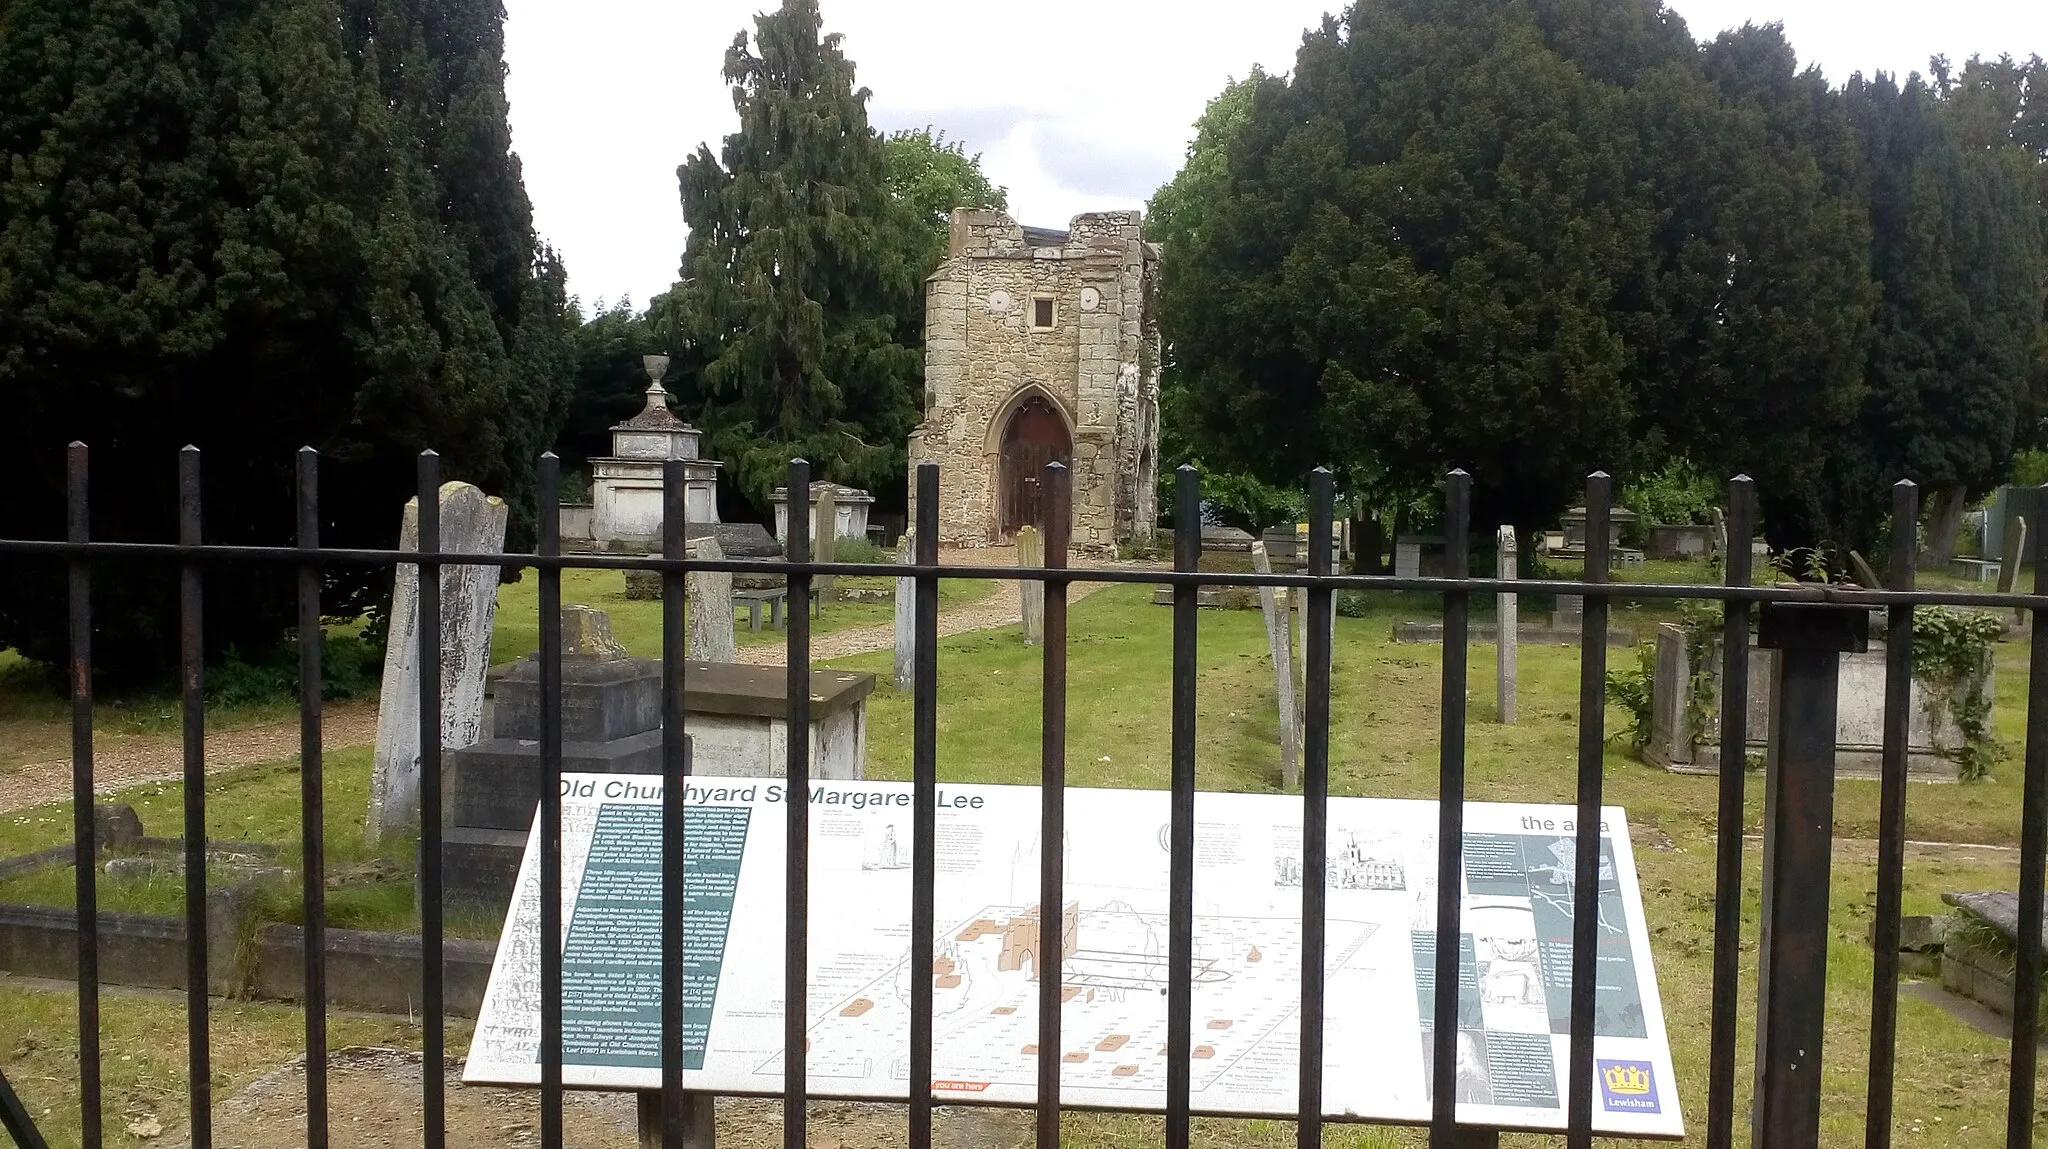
x: 1075, y: 105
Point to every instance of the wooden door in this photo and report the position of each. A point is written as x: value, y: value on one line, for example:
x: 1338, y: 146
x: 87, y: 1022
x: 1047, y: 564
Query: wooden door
x: 1036, y: 437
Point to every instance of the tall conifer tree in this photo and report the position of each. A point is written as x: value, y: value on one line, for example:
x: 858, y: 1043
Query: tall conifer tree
x: 798, y: 270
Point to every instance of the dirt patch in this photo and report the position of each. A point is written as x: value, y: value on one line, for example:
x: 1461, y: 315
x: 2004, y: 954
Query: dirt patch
x: 374, y: 1103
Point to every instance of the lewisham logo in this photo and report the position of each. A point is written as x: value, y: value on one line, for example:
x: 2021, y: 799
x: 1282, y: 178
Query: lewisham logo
x: 1628, y: 1087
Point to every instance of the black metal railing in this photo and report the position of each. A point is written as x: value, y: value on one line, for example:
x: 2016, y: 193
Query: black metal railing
x: 1806, y: 621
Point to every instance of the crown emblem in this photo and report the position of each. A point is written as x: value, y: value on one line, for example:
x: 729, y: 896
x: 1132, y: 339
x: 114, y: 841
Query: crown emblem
x: 1627, y: 1080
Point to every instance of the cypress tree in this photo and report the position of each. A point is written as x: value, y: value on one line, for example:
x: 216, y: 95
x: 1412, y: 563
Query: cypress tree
x: 798, y: 272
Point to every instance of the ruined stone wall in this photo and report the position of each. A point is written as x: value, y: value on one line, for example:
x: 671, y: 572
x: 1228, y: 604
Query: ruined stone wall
x: 1097, y: 365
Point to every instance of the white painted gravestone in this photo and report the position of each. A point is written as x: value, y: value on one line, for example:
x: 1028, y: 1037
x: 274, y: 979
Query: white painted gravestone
x: 906, y: 618
x: 471, y: 523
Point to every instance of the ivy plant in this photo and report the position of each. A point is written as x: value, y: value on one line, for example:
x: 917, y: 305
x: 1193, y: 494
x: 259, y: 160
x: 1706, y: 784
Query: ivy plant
x: 1952, y: 664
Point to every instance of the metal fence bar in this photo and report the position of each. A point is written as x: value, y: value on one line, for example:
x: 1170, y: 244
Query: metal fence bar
x: 1180, y: 882
x: 1050, y: 960
x: 1648, y: 591
x: 312, y: 800
x: 1450, y: 832
x: 924, y: 769
x: 85, y: 844
x: 2026, y: 984
x: 675, y: 774
x: 1592, y: 765
x: 1315, y: 795
x: 797, y: 768
x: 433, y: 1086
x: 550, y: 808
x: 15, y: 1119
x: 192, y: 675
x: 1891, y: 822
x: 1729, y: 817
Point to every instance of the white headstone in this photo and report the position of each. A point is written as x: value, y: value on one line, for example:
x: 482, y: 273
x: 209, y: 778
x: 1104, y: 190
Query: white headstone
x: 1509, y: 617
x: 1407, y: 559
x: 1031, y: 593
x: 1278, y: 644
x: 906, y: 619
x: 710, y: 608
x: 471, y: 523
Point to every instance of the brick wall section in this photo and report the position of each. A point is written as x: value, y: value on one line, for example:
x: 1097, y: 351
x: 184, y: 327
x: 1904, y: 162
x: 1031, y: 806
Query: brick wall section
x: 1099, y: 368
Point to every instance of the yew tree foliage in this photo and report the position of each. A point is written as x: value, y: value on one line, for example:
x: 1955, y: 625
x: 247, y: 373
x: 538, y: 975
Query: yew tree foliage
x: 800, y: 273
x: 252, y: 225
x: 1532, y: 238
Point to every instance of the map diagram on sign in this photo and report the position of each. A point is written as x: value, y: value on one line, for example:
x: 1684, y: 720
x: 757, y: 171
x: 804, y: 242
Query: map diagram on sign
x: 985, y: 979
x: 1103, y: 951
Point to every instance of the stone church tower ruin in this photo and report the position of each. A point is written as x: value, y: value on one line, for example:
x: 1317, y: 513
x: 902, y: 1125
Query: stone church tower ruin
x: 1042, y: 345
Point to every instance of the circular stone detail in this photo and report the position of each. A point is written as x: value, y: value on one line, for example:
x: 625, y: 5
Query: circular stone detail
x: 1090, y: 299
x: 998, y: 302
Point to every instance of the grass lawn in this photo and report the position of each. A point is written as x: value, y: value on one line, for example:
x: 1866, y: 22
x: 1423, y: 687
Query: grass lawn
x: 1384, y: 743
x: 637, y: 624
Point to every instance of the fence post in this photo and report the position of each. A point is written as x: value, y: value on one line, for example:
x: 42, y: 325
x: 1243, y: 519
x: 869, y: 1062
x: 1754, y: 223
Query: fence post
x: 1799, y: 799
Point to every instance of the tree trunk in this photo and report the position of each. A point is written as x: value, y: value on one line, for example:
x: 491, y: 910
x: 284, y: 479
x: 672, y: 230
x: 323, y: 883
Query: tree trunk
x: 1944, y: 523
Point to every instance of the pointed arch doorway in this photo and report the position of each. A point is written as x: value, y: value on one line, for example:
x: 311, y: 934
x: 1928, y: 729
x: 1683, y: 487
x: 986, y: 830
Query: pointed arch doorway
x: 1034, y: 436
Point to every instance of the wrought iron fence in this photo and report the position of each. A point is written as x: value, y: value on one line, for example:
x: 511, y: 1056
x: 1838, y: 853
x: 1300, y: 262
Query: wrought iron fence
x: 1809, y: 623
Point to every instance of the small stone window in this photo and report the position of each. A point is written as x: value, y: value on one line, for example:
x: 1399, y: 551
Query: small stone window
x: 1042, y: 314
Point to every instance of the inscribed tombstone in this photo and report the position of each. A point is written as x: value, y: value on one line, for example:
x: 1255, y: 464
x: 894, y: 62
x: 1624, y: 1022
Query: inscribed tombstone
x: 471, y: 523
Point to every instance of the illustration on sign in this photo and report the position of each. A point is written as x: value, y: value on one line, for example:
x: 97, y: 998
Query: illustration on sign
x: 992, y: 949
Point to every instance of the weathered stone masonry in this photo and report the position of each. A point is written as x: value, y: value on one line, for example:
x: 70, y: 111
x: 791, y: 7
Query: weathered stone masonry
x: 1096, y: 365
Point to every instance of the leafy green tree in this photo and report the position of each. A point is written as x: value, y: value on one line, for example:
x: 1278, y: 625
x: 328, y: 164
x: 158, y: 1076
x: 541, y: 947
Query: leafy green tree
x: 798, y: 272
x: 1173, y: 219
x: 251, y: 227
x: 1753, y: 339
x: 1419, y: 256
x: 929, y: 176
x: 1956, y: 245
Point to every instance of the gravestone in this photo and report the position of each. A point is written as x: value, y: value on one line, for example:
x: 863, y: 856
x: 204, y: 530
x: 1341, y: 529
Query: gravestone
x: 1508, y: 630
x: 1570, y: 614
x: 1278, y: 645
x: 710, y: 608
x: 611, y: 724
x: 824, y: 538
x: 906, y: 618
x: 1030, y: 592
x: 471, y: 523
x: 2009, y: 570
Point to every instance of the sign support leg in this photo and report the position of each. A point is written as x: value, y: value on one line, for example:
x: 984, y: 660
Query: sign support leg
x: 700, y: 1112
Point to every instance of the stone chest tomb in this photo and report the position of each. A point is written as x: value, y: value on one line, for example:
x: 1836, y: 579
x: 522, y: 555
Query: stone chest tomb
x: 611, y: 724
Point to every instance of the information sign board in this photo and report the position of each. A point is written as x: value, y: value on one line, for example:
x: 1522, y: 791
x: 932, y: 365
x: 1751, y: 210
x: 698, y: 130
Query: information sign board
x: 1513, y: 1017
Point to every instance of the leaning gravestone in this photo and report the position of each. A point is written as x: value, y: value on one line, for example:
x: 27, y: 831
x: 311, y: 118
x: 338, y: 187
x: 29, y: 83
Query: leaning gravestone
x: 710, y: 599
x: 1279, y: 645
x: 471, y: 523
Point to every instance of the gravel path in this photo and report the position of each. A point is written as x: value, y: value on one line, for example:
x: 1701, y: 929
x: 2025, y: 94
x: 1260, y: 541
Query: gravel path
x: 121, y: 761
x: 1002, y: 608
